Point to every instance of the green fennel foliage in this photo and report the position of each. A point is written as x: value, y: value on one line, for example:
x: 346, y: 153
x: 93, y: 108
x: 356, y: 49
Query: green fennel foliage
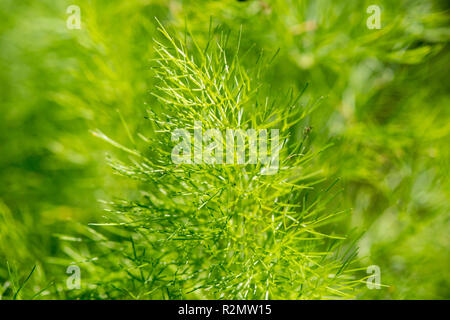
x: 386, y: 113
x: 226, y: 230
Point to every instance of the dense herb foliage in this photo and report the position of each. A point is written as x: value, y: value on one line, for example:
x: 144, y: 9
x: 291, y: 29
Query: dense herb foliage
x: 227, y: 230
x: 364, y: 125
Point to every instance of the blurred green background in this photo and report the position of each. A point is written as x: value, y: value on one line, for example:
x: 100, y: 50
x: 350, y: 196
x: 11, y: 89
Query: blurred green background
x: 384, y: 104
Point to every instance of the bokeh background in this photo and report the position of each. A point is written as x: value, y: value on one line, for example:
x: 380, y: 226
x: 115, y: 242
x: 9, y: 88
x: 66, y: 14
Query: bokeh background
x: 384, y: 104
